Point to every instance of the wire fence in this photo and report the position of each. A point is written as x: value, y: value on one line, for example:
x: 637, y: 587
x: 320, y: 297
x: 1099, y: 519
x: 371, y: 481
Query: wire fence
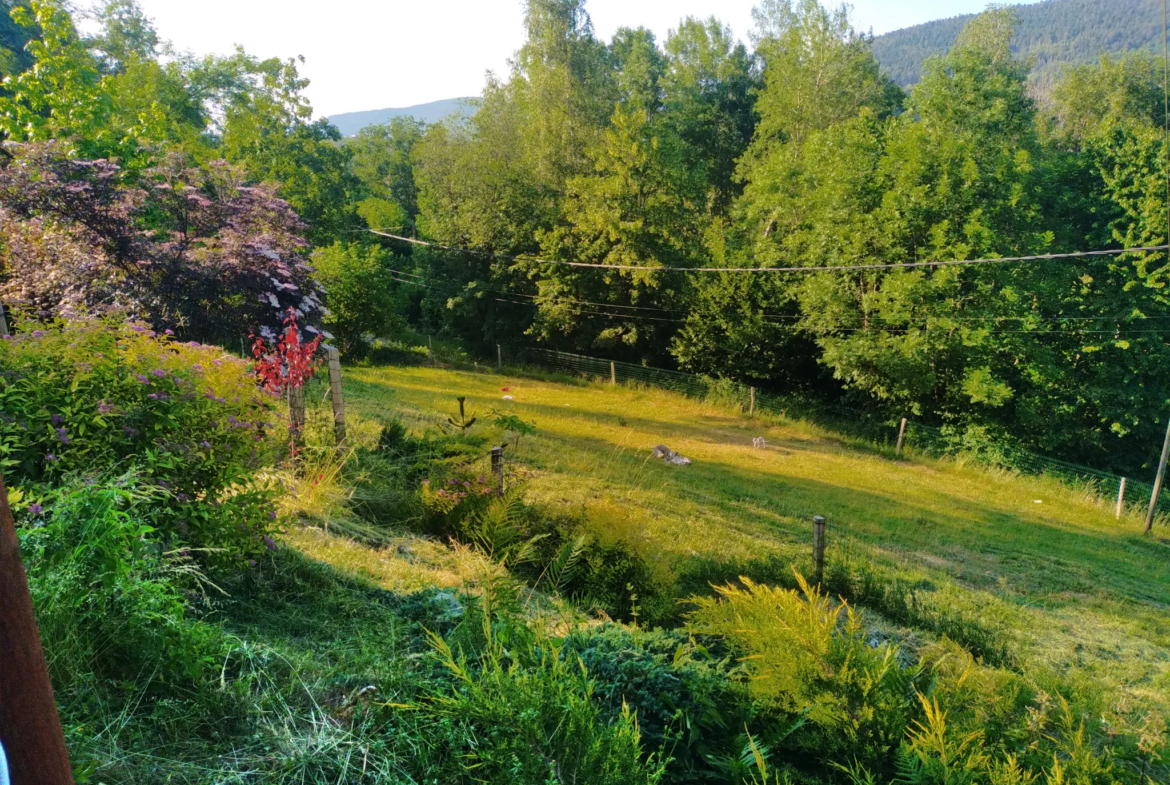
x: 919, y: 437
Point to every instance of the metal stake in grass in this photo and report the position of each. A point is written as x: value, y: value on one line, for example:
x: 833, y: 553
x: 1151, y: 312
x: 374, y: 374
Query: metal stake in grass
x: 1158, y: 480
x: 818, y: 549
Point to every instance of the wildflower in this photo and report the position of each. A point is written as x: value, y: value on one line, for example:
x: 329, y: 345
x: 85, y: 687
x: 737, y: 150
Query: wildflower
x: 450, y: 482
x: 35, y: 508
x: 141, y: 378
x: 272, y: 515
x: 62, y: 436
x: 131, y: 432
x: 98, y: 354
x: 217, y: 363
x: 105, y: 407
x: 269, y: 543
x: 49, y: 457
x: 205, y: 445
x: 466, y: 484
x: 169, y: 332
x: 193, y: 344
x: 157, y: 396
x: 182, y: 497
x: 197, y: 368
x: 8, y: 337
x: 55, y: 419
x: 159, y: 372
x: 38, y: 333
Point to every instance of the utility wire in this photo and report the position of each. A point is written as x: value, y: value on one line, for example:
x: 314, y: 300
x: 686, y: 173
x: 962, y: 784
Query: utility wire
x: 822, y: 268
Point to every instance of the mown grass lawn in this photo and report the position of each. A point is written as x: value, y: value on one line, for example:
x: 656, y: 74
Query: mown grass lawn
x: 1073, y: 589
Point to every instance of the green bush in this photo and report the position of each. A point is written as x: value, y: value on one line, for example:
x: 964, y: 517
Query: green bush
x: 359, y: 289
x: 97, y: 397
x: 110, y: 599
x: 683, y: 697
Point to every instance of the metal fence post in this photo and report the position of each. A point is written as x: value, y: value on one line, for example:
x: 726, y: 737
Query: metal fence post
x: 1120, y: 497
x: 335, y: 395
x: 818, y: 549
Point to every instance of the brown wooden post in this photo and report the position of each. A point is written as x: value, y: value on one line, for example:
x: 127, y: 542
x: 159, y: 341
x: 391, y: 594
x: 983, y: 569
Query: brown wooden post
x: 3, y: 320
x: 335, y: 395
x: 498, y: 467
x: 1120, y: 497
x: 752, y: 406
x: 30, y: 728
x: 499, y: 357
x: 613, y: 374
x: 818, y: 549
x: 296, y: 414
x: 901, y: 436
x: 1158, y: 480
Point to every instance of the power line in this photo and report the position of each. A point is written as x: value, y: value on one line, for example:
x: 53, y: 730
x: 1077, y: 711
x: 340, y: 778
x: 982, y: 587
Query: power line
x: 822, y: 268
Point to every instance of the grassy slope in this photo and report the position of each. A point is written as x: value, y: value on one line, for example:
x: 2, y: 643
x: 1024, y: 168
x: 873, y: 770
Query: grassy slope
x: 1074, y: 589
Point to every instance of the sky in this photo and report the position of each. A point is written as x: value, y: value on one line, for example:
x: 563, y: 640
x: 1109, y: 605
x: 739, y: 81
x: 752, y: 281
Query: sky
x: 374, y: 54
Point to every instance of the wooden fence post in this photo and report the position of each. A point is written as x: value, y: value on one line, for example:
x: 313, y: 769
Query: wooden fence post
x: 499, y: 357
x: 498, y: 467
x: 30, y: 727
x: 335, y: 395
x: 1120, y: 497
x: 613, y: 374
x: 3, y: 320
x: 1158, y: 480
x: 901, y: 436
x: 296, y: 414
x: 818, y: 549
x: 752, y: 405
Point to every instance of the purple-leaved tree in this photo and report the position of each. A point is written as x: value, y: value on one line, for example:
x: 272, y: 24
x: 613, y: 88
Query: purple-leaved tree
x: 193, y: 249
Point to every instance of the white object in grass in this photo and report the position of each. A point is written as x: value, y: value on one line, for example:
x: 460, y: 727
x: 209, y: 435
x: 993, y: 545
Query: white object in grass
x: 509, y: 398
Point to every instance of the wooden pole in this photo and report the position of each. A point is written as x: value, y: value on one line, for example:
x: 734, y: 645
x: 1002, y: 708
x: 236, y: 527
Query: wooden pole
x: 1158, y: 480
x: 498, y: 467
x: 3, y: 321
x: 819, y: 549
x: 901, y: 436
x: 499, y: 357
x: 335, y: 395
x: 613, y: 374
x: 1120, y: 497
x: 30, y: 728
x: 752, y: 405
x: 296, y: 414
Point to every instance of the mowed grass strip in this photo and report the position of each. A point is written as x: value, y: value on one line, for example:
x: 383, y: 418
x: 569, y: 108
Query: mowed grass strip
x: 1075, y: 589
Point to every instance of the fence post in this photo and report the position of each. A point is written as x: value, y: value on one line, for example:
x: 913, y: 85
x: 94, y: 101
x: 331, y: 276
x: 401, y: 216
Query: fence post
x: 335, y: 394
x: 1158, y: 480
x: 499, y: 357
x: 1120, y: 497
x: 3, y: 320
x: 613, y: 374
x: 901, y: 436
x: 29, y: 724
x: 752, y: 406
x: 498, y: 467
x: 818, y: 549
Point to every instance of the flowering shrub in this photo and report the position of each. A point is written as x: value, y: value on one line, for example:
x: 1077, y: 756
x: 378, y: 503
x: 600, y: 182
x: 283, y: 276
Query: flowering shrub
x: 93, y: 397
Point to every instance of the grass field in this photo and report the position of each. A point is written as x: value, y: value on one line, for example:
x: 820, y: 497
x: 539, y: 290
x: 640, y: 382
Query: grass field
x: 1070, y: 588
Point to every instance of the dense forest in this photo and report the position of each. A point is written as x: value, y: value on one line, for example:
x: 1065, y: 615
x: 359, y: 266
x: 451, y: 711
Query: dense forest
x: 650, y: 157
x: 1053, y: 33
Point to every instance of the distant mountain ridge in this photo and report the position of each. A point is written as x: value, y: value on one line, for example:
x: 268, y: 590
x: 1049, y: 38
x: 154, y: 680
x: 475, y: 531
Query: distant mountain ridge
x: 1056, y: 32
x: 349, y: 123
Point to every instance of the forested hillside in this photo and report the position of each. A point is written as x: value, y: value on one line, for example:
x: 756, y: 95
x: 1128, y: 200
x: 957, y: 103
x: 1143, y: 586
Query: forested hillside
x: 1054, y: 32
x: 349, y: 123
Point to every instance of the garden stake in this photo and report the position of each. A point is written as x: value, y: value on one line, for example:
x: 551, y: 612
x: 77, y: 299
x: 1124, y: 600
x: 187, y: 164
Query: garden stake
x: 29, y: 725
x: 819, y: 548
